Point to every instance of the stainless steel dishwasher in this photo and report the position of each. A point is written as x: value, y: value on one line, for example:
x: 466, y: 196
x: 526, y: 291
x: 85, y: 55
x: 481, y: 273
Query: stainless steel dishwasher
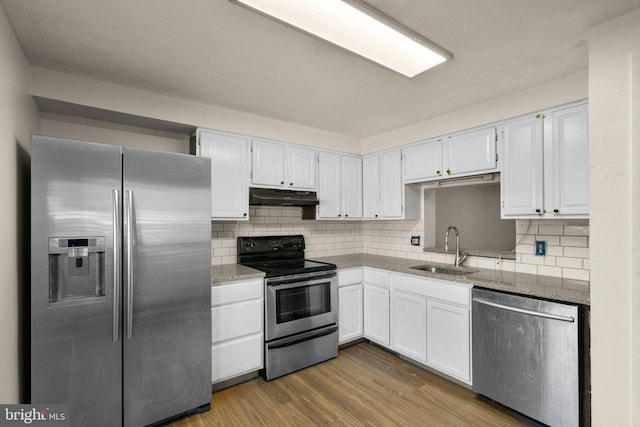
x: 526, y: 355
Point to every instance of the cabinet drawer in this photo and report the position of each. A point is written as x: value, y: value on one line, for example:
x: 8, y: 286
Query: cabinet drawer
x: 236, y: 320
x: 451, y: 292
x: 350, y: 276
x: 240, y: 290
x: 237, y: 357
x: 375, y: 277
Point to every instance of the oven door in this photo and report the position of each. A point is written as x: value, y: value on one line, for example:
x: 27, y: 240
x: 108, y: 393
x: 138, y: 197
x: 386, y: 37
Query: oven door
x: 300, y: 303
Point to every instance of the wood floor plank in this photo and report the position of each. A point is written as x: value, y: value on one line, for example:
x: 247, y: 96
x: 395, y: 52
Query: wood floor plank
x: 364, y: 386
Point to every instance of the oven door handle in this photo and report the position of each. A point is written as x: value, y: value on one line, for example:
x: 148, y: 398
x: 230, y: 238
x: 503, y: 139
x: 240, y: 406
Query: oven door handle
x: 307, y: 336
x: 285, y: 284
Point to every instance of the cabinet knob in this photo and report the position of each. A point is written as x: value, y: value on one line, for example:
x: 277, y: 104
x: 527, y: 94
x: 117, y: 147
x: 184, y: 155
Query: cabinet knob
x: 448, y: 171
x: 556, y: 211
x: 281, y: 182
x: 537, y: 210
x: 439, y: 173
x: 346, y: 215
x: 339, y: 215
x: 244, y: 214
x: 376, y: 215
x: 291, y: 183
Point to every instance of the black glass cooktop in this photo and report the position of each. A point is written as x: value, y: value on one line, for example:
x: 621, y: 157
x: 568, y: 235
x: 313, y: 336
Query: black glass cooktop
x: 278, y: 255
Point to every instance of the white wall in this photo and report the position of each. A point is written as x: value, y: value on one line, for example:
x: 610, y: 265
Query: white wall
x: 614, y: 134
x: 111, y: 97
x: 556, y: 92
x: 18, y: 120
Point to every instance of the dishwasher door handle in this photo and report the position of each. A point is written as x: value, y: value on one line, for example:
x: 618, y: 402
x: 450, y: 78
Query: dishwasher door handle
x: 525, y: 311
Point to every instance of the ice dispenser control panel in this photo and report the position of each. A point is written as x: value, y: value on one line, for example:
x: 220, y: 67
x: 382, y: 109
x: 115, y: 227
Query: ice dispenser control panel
x: 76, y: 269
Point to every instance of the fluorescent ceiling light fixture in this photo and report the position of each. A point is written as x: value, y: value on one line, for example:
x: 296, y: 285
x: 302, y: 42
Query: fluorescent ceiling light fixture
x: 356, y: 26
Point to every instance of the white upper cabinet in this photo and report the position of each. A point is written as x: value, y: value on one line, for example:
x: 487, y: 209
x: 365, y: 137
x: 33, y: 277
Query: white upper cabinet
x: 329, y: 185
x: 423, y: 161
x: 351, y: 179
x: 391, y: 185
x: 279, y: 165
x: 371, y: 186
x: 546, y: 165
x: 339, y: 186
x: 385, y: 196
x: 267, y: 163
x: 566, y: 171
x: 472, y: 151
x: 229, y: 173
x: 301, y: 168
x: 460, y: 154
x: 522, y: 180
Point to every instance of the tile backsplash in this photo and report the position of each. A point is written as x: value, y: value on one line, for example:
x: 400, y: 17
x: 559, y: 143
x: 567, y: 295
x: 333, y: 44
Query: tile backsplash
x: 567, y: 241
x: 322, y: 238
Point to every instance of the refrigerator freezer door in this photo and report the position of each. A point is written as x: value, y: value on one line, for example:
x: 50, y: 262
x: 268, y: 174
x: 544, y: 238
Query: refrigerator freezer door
x: 74, y: 358
x: 166, y: 285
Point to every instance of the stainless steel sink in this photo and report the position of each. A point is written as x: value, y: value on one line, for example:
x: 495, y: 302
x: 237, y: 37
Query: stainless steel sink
x: 443, y: 270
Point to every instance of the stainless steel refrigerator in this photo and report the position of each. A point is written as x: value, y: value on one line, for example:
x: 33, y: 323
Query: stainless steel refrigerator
x: 120, y: 282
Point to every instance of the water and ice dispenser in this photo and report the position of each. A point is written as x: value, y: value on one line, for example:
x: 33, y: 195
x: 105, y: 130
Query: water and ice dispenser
x: 76, y: 270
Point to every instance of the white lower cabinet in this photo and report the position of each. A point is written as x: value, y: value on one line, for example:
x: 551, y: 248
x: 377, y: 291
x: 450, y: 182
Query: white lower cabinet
x: 376, y: 305
x: 230, y: 359
x: 350, y: 303
x: 448, y: 340
x: 350, y: 318
x: 236, y: 329
x: 430, y: 323
x: 426, y: 320
x: 376, y: 314
x: 409, y: 327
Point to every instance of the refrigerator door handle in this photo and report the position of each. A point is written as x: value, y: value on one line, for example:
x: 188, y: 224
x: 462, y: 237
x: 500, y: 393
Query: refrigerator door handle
x: 129, y: 305
x: 115, y: 194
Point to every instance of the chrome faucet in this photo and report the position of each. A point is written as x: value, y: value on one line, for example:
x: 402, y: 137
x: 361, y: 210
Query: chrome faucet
x: 460, y: 257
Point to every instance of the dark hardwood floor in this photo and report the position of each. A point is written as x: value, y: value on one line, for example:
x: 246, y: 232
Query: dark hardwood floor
x: 364, y: 386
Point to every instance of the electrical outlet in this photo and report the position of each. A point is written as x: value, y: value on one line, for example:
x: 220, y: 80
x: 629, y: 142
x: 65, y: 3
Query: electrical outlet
x: 415, y: 240
x: 541, y: 248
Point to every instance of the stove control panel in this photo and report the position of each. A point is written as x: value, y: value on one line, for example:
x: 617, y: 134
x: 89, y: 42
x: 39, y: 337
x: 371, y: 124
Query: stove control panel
x: 263, y: 244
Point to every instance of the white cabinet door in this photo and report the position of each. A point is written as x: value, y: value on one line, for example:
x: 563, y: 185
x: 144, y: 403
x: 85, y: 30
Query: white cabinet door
x: 376, y: 314
x: 236, y: 328
x: 233, y: 358
x: 235, y: 320
x: 329, y: 185
x: 391, y: 185
x: 473, y: 151
x: 448, y: 340
x: 522, y: 173
x: 409, y: 325
x: 301, y: 168
x: 423, y: 161
x: 566, y: 162
x: 268, y: 163
x: 229, y: 173
x: 350, y: 317
x: 351, y: 187
x: 371, y: 186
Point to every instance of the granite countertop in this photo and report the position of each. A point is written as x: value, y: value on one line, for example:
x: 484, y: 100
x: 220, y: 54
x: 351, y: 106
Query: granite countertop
x: 227, y: 272
x: 555, y: 288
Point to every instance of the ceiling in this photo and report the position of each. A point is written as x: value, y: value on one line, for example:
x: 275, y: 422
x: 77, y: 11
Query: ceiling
x: 218, y: 53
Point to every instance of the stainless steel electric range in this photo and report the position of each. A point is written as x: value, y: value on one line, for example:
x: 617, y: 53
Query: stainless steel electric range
x: 301, y: 303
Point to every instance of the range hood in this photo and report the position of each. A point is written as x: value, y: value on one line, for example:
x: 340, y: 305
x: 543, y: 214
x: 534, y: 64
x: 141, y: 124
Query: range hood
x: 308, y: 200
